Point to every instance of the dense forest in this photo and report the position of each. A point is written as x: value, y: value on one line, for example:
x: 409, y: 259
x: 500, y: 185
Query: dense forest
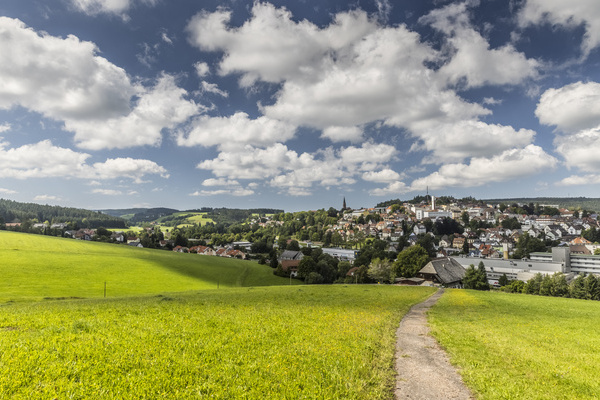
x: 12, y: 211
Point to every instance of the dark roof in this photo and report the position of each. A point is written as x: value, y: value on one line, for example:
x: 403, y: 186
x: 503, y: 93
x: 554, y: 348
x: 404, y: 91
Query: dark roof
x: 291, y: 255
x: 448, y: 270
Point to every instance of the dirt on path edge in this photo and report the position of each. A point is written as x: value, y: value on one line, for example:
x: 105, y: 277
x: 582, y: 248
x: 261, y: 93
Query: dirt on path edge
x: 423, y: 369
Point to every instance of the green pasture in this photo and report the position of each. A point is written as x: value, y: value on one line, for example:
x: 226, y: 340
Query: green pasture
x: 33, y: 267
x: 285, y: 342
x: 514, y: 346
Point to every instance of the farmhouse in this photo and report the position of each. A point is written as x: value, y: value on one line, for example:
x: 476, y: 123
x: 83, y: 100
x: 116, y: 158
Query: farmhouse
x: 443, y: 271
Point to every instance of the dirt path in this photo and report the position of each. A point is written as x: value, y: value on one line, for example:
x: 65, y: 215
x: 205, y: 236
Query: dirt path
x: 424, y: 371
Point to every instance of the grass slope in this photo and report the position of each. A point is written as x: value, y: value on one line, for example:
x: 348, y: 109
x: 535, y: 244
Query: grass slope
x: 286, y: 342
x: 511, y: 346
x: 35, y: 266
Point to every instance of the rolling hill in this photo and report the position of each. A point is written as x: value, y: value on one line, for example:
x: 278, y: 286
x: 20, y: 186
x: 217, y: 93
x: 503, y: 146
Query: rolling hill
x: 35, y: 267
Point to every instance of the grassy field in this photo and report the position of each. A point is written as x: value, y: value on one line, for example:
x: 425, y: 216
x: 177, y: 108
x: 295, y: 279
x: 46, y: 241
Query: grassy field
x: 34, y: 266
x: 512, y: 346
x: 286, y: 342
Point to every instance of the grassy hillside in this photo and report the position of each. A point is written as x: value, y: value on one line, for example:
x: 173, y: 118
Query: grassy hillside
x: 35, y: 266
x: 512, y: 346
x: 309, y: 342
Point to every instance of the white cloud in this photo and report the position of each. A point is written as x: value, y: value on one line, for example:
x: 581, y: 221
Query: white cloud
x: 213, y: 88
x: 511, y: 164
x: 470, y: 59
x: 46, y: 197
x: 385, y: 175
x: 573, y: 180
x: 235, y: 132
x: 165, y: 38
x: 394, y: 188
x: 107, y: 192
x: 117, y: 7
x: 134, y: 169
x: 572, y: 107
x: 59, y: 78
x: 5, y: 127
x: 7, y: 191
x: 162, y: 107
x: 271, y: 46
x: 464, y: 139
x: 491, y: 101
x: 44, y: 160
x: 219, y: 182
x: 297, y: 173
x: 343, y: 133
x: 64, y: 79
x: 239, y: 192
x: 202, y: 69
x: 571, y: 14
x: 580, y: 149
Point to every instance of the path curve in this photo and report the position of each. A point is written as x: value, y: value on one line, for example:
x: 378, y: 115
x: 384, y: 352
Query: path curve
x: 424, y: 372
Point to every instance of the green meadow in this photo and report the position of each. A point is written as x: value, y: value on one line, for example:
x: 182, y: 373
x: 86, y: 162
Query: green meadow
x: 33, y: 267
x: 284, y: 342
x: 514, y: 346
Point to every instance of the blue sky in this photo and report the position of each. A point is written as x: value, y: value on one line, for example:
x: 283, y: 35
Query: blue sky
x: 295, y: 105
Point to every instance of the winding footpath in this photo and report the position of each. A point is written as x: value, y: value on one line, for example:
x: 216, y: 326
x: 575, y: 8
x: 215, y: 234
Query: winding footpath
x: 424, y: 372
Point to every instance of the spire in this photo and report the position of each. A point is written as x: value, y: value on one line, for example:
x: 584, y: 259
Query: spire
x: 344, y: 204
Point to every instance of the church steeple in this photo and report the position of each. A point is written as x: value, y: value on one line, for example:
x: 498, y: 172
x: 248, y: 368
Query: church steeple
x: 344, y: 204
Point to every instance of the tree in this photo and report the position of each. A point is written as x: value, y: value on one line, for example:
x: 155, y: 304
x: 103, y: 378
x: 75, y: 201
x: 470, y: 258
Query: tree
x: 313, y: 278
x: 533, y: 285
x: 380, y: 270
x: 410, y: 261
x: 293, y: 245
x: 503, y: 281
x: 560, y: 287
x: 306, y: 266
x: 476, y: 278
x: 546, y: 286
x: 464, y: 217
x: 592, y: 287
x: 577, y: 287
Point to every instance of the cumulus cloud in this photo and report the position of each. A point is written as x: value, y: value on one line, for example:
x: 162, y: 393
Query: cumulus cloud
x: 161, y: 107
x: 44, y: 160
x: 220, y: 182
x: 510, y: 164
x: 295, y: 173
x: 5, y: 127
x: 385, y: 175
x: 236, y: 131
x: 7, y: 191
x: 394, y: 188
x: 571, y: 108
x: 573, y: 180
x: 580, y: 149
x: 570, y: 14
x: 471, y: 60
x: 202, y: 69
x: 343, y: 133
x: 64, y: 79
x: 465, y: 139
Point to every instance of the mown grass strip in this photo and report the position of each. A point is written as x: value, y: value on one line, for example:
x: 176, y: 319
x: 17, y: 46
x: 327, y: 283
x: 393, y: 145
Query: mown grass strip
x: 512, y: 346
x: 326, y: 342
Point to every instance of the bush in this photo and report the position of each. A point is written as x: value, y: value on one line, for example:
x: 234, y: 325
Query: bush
x: 313, y: 278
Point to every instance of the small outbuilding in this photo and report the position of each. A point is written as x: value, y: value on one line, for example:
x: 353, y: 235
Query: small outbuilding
x: 444, y: 271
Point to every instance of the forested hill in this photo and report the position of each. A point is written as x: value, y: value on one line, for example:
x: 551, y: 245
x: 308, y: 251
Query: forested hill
x: 583, y: 203
x: 13, y: 211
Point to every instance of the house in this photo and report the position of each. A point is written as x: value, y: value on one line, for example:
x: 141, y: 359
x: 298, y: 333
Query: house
x: 446, y: 272
x: 290, y: 260
x: 177, y: 249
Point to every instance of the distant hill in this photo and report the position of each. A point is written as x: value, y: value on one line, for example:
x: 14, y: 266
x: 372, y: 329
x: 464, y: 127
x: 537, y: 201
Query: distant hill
x: 141, y: 215
x: 584, y: 203
x: 11, y: 211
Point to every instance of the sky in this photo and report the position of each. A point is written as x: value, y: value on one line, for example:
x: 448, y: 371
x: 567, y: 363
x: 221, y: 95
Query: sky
x: 296, y: 104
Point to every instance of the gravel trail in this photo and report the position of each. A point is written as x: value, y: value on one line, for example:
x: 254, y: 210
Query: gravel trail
x: 424, y: 372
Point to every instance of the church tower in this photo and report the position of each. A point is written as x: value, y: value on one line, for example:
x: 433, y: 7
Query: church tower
x: 344, y: 204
